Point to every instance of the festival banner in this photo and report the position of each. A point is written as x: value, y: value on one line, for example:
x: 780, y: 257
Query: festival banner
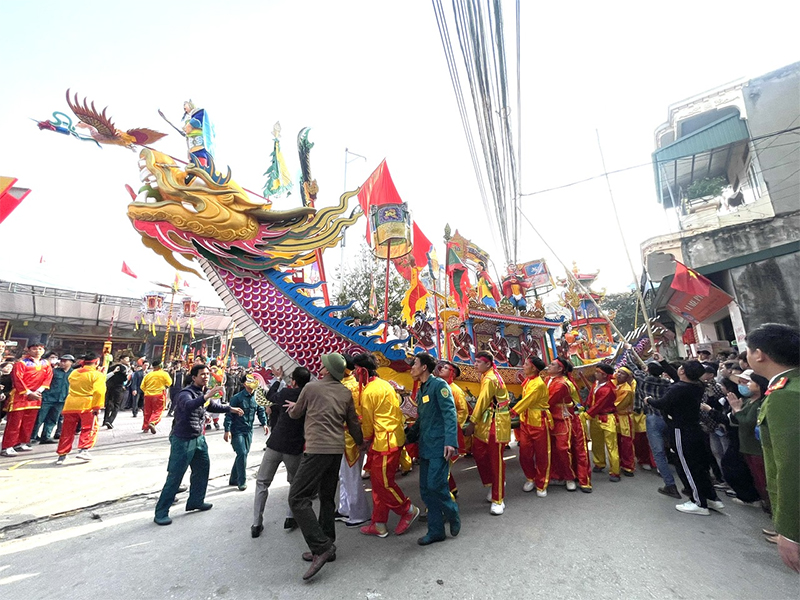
x: 536, y: 274
x: 377, y: 190
x: 459, y: 279
x: 10, y: 197
x: 696, y: 308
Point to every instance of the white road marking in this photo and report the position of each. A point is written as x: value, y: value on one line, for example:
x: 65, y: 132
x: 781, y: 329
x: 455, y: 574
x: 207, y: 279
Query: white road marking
x: 15, y: 578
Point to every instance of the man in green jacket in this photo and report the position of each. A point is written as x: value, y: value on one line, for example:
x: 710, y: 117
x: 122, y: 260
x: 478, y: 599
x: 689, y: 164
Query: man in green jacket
x: 239, y: 429
x: 773, y: 351
x: 436, y: 432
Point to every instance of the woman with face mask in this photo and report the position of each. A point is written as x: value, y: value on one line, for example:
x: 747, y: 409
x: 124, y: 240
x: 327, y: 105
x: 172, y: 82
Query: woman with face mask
x: 744, y: 413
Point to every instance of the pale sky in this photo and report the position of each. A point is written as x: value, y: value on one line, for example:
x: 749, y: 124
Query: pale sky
x: 369, y: 76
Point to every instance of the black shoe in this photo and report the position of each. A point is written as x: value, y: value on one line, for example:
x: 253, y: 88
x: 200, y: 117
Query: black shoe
x: 613, y: 478
x: 337, y: 516
x: 290, y: 524
x: 427, y: 539
x: 162, y: 521
x: 216, y: 425
x: 48, y: 441
x: 597, y: 469
x: 354, y: 524
x: 455, y: 526
x: 687, y: 492
x: 202, y: 507
x: 587, y: 489
x: 57, y: 436
x: 670, y: 490
x: 318, y: 561
x: 255, y: 531
x: 628, y: 473
x: 182, y: 488
x: 308, y: 557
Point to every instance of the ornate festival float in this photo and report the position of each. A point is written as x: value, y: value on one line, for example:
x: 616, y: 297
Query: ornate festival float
x: 254, y: 256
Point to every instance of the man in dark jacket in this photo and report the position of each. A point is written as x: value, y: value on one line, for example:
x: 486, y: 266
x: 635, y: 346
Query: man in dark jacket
x: 137, y: 398
x: 239, y: 430
x: 53, y: 401
x: 681, y: 407
x: 178, y: 374
x: 326, y: 404
x: 188, y: 447
x: 436, y: 431
x: 119, y: 375
x: 285, y: 445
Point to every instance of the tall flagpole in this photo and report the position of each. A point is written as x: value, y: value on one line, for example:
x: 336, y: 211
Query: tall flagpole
x: 386, y: 295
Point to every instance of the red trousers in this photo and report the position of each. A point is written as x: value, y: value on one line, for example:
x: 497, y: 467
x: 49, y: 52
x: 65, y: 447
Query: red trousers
x: 386, y: 494
x: 641, y: 446
x: 88, y: 421
x: 489, y: 460
x: 153, y: 408
x: 534, y: 453
x: 756, y: 465
x: 625, y: 443
x: 19, y: 427
x: 569, y: 455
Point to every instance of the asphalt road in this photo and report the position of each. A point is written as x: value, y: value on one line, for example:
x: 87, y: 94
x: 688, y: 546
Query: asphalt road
x: 622, y: 541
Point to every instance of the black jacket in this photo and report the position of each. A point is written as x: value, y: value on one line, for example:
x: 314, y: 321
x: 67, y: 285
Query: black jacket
x: 287, y: 433
x: 680, y: 405
x: 190, y: 412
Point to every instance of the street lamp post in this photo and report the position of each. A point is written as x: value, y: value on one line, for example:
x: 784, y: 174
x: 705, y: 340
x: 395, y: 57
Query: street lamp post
x: 347, y: 161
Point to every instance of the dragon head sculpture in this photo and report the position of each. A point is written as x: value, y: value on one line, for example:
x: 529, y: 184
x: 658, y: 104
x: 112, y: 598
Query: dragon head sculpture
x: 196, y: 212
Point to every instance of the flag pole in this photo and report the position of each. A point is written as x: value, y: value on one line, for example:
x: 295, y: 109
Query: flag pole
x: 386, y: 295
x: 436, y: 313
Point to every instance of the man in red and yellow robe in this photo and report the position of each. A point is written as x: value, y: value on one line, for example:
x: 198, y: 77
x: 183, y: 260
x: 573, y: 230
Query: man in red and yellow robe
x: 624, y: 413
x: 603, y: 421
x: 382, y: 425
x: 535, y: 423
x: 490, y: 426
x: 29, y: 378
x: 87, y: 391
x: 570, y: 456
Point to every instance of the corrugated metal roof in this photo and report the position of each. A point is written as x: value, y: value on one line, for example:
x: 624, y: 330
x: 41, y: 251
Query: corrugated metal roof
x: 728, y: 130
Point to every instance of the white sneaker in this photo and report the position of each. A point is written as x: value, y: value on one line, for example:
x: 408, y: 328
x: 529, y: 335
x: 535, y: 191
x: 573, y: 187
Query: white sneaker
x: 541, y: 493
x: 571, y: 486
x: 557, y: 482
x: 754, y: 504
x: 497, y: 509
x: 84, y: 455
x: 8, y: 452
x: 529, y: 486
x: 692, y: 509
x: 715, y: 505
x: 23, y: 448
x: 489, y: 495
x: 647, y: 467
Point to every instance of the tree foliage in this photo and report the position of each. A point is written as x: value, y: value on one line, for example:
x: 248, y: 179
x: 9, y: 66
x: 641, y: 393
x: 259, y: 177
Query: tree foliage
x: 626, y: 306
x: 355, y: 287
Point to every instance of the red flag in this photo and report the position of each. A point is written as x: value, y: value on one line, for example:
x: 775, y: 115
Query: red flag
x: 377, y: 189
x: 415, y: 297
x: 127, y: 270
x: 10, y: 197
x: 422, y: 246
x: 688, y: 281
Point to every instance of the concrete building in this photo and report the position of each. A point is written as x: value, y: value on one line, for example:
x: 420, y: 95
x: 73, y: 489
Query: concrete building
x: 727, y: 165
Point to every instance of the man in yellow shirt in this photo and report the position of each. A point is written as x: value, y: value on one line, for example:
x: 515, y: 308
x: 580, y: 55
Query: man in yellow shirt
x: 154, y: 389
x: 535, y: 423
x: 624, y: 415
x: 382, y: 425
x: 87, y: 392
x: 490, y: 424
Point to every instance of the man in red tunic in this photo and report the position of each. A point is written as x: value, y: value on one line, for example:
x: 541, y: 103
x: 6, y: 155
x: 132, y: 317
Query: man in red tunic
x: 30, y: 377
x: 570, y: 458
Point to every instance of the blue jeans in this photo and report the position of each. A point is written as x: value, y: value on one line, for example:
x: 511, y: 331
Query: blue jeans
x: 656, y: 434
